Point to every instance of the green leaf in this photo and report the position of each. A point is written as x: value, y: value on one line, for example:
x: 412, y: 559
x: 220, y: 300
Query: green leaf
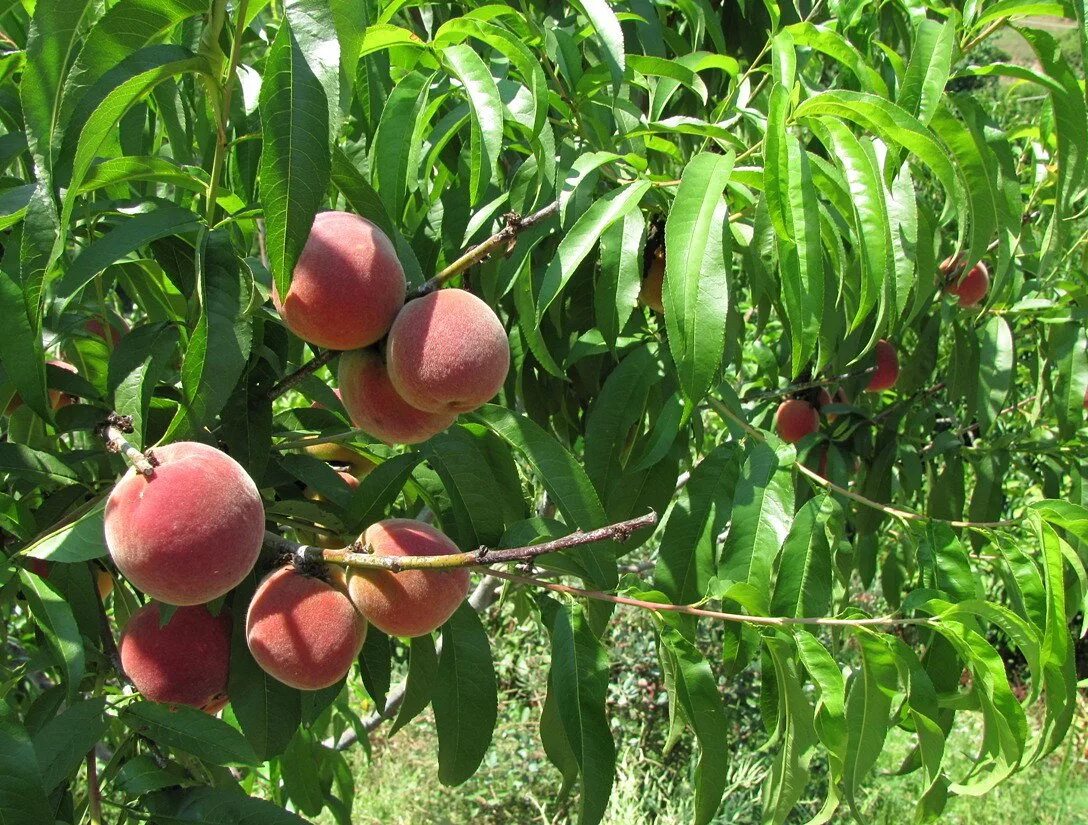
x: 141, y: 361
x: 295, y: 160
x: 582, y: 237
x: 997, y: 362
x: 314, y: 30
x: 465, y: 697
x: 761, y: 518
x: 699, y: 514
x: 21, y: 344
x: 697, y: 692
x: 803, y: 585
x: 378, y: 490
x: 420, y: 681
x: 140, y: 775
x: 394, y: 159
x: 63, y: 742
x: 607, y: 25
x: 616, y: 293
x: 485, y: 109
x: 868, y: 710
x: 54, y: 617
x: 789, y: 771
x: 215, y: 806
x: 579, y: 679
x: 268, y: 711
x: 927, y: 72
x: 459, y: 460
x: 698, y: 260
x: 78, y: 539
x: 374, y: 665
x: 23, y: 799
x: 190, y: 730
x: 35, y: 465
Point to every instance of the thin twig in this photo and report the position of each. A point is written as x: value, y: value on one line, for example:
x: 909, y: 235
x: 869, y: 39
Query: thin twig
x: 291, y: 380
x: 352, y: 556
x: 692, y: 610
x: 94, y: 793
x: 807, y: 385
x: 108, y: 643
x: 905, y: 515
x: 504, y: 237
x: 113, y: 430
x: 223, y: 118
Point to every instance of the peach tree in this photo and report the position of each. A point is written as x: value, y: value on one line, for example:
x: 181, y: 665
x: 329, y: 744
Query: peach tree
x: 328, y: 323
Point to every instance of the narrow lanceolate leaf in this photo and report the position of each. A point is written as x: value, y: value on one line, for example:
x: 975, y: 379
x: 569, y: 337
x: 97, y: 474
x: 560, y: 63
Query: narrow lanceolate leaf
x: 53, y: 615
x: 830, y: 722
x: 458, y: 459
x: 485, y: 109
x: 700, y: 513
x: 868, y: 710
x: 803, y: 586
x: 862, y: 175
x: 465, y: 697
x: 227, y: 806
x: 698, y: 258
x: 792, y: 204
x: 616, y: 293
x: 607, y: 25
x: 420, y: 681
x: 996, y: 364
x: 295, y: 160
x: 697, y: 692
x: 80, y: 539
x: 1067, y: 368
x: 21, y: 344
x: 379, y: 489
x: 23, y: 800
x: 583, y: 236
x: 314, y: 30
x: 927, y: 72
x: 395, y: 153
x: 579, y: 678
x: 789, y: 771
x: 761, y: 518
x: 268, y: 711
x: 190, y: 730
x: 219, y: 346
x: 62, y: 743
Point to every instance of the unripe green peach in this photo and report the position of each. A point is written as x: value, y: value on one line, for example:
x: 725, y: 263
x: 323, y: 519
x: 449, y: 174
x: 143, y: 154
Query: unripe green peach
x: 347, y: 286
x: 447, y: 352
x: 411, y: 602
x: 302, y: 630
x: 184, y: 662
x: 189, y: 533
x: 374, y: 405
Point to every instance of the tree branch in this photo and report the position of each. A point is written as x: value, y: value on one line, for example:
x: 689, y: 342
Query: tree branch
x: 293, y: 379
x: 506, y: 236
x: 113, y: 430
x: 357, y: 559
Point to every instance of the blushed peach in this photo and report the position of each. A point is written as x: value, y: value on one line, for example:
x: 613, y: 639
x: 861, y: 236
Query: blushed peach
x: 347, y: 286
x: 411, y: 602
x: 447, y: 352
x: 302, y: 630
x: 192, y: 531
x: 887, y: 368
x: 184, y: 662
x: 795, y: 419
x: 374, y: 405
x: 972, y: 287
x: 57, y: 399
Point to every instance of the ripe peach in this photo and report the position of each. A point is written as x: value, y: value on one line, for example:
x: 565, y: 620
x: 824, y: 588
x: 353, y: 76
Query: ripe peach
x: 302, y: 630
x: 412, y: 602
x: 57, y: 399
x: 374, y: 405
x: 39, y: 567
x: 184, y: 662
x: 347, y: 286
x: 189, y: 533
x: 447, y: 352
x: 117, y: 328
x: 795, y: 419
x: 972, y: 287
x: 653, y: 283
x: 887, y: 367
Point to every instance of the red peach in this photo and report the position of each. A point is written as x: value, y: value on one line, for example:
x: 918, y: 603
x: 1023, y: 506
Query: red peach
x: 447, y: 352
x: 192, y: 531
x: 347, y: 286
x: 303, y: 631
x: 374, y: 405
x: 184, y: 662
x: 973, y: 287
x: 412, y: 602
x: 795, y: 419
x: 887, y: 367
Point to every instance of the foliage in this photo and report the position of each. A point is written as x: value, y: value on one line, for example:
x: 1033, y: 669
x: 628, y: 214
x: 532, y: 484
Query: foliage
x: 163, y: 163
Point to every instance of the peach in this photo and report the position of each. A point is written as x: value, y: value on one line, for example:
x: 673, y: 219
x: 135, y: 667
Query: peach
x: 447, y: 352
x: 972, y: 287
x: 57, y: 399
x: 887, y: 368
x: 412, y: 602
x: 653, y: 283
x: 347, y: 286
x: 117, y: 328
x: 795, y: 419
x: 184, y: 662
x: 302, y: 630
x: 339, y: 454
x: 374, y: 405
x: 190, y: 532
